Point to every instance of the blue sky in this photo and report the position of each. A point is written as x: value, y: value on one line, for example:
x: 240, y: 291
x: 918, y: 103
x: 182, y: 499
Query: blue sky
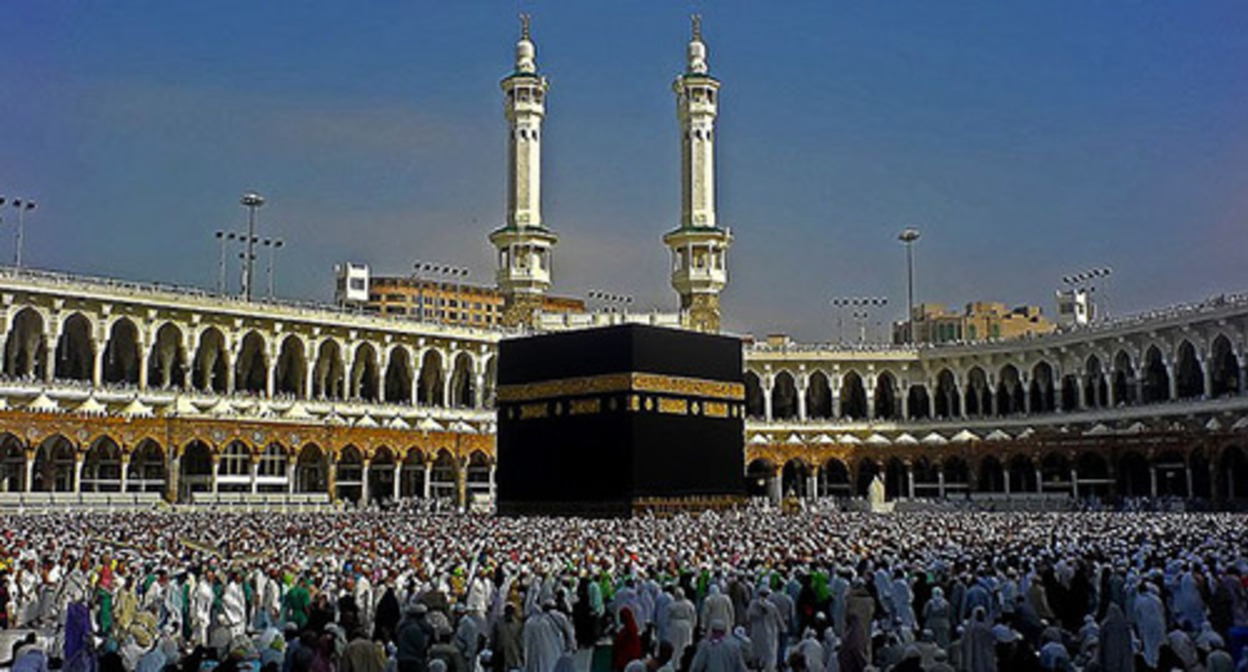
x: 1026, y: 140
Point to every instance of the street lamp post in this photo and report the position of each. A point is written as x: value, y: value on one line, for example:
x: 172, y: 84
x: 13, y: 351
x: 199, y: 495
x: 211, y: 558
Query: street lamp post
x: 273, y: 244
x: 23, y: 206
x: 224, y: 237
x: 611, y: 303
x: 860, y: 310
x: 250, y: 200
x: 908, y: 236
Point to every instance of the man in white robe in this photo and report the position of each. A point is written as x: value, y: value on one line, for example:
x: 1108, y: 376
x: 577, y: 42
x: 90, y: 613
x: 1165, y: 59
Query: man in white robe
x: 767, y: 629
x: 545, y: 640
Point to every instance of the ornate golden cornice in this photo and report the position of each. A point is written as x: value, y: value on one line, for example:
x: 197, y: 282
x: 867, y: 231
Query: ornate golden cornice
x: 622, y: 382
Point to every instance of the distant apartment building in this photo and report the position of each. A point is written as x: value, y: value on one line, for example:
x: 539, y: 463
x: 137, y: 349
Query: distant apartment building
x: 981, y: 321
x: 438, y: 301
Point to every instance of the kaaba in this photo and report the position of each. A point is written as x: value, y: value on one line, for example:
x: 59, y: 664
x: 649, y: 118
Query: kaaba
x: 618, y: 420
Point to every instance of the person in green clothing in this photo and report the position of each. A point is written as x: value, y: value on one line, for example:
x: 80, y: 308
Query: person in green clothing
x: 105, y: 601
x: 297, y: 601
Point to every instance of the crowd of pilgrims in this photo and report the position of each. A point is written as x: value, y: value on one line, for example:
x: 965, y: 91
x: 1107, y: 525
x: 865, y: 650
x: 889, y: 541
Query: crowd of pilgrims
x: 812, y: 591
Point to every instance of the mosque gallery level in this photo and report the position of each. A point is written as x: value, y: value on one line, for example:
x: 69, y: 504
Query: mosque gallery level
x: 123, y: 392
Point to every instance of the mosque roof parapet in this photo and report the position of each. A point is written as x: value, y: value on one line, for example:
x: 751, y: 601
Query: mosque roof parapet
x: 183, y: 297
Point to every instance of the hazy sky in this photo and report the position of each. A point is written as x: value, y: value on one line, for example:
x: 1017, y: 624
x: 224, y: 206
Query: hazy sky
x: 1026, y: 140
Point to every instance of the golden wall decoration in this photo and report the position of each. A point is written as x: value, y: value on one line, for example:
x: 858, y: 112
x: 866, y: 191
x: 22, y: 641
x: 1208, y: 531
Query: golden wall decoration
x: 622, y: 382
x: 585, y: 406
x: 673, y: 406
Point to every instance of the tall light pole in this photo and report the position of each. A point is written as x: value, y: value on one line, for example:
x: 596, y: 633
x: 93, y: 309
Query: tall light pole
x: 908, y: 236
x: 273, y: 244
x: 250, y: 200
x: 224, y: 237
x: 611, y: 303
x: 23, y: 206
x: 861, y: 306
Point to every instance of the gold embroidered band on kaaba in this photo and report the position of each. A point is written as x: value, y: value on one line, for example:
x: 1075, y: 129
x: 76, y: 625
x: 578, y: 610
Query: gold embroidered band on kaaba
x: 622, y: 382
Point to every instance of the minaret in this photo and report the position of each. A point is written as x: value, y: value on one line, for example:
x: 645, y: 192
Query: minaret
x: 524, y: 245
x: 699, y: 247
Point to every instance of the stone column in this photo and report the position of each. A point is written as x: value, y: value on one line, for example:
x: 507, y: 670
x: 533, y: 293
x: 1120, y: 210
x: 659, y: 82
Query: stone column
x: 145, y: 355
x: 1187, y: 472
x: 428, y: 487
x: 97, y: 367
x: 29, y: 484
x: 216, y: 465
x: 309, y: 377
x: 812, y: 484
x: 416, y: 385
x: 364, y: 478
x: 940, y: 482
x: 904, y: 397
x: 802, y: 383
x: 1039, y: 479
x: 1174, y: 382
x: 290, y: 474
x: 396, y: 491
x: 255, y: 475
x: 331, y: 479
x: 1006, y: 473
x: 767, y: 388
x: 1074, y: 482
x: 270, y: 378
x: 910, y: 480
x: 172, y: 474
x: 78, y: 462
x: 125, y: 471
x: 479, y: 392
x: 1152, y: 480
x: 49, y: 359
x: 493, y: 485
x: 773, y: 488
x: 461, y: 484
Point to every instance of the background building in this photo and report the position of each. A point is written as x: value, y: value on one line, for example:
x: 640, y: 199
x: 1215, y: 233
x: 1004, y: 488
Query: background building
x: 445, y: 302
x: 981, y: 321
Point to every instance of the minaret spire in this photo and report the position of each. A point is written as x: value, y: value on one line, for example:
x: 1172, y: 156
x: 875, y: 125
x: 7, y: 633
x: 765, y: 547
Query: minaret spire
x: 524, y: 245
x: 699, y: 247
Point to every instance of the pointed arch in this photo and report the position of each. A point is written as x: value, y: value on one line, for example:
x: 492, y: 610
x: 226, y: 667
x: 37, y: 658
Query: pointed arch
x: 54, y: 465
x: 101, y: 467
x: 364, y: 373
x: 12, y: 463
x: 210, y: 370
x: 431, y: 379
x: 947, y: 396
x: 1042, y: 389
x: 444, y: 477
x: 819, y: 397
x: 754, y: 407
x: 759, y: 474
x: 834, y: 479
x: 381, y: 474
x: 1126, y: 391
x: 328, y: 376
x: 290, y: 377
x: 1155, y: 383
x: 398, y: 388
x: 491, y: 381
x: 886, y: 397
x: 794, y: 477
x: 1189, y: 374
x: 1023, y: 474
x: 311, y: 470
x: 122, y: 357
x: 1095, y: 389
x: 918, y: 402
x: 251, y: 369
x: 25, y: 348
x: 853, y: 397
x: 147, y: 471
x: 1223, y: 368
x: 784, y: 397
x: 991, y: 475
x: 463, y: 382
x: 167, y: 360
x: 1133, y: 475
x: 978, y: 393
x: 196, y: 469
x: 1010, y: 397
x: 349, y: 485
x: 75, y: 350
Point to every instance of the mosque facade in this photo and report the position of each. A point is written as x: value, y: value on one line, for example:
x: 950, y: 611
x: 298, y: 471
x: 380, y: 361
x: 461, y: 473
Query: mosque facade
x: 123, y: 394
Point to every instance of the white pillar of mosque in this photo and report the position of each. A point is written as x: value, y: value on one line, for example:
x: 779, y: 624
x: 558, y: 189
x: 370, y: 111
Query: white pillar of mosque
x: 774, y: 488
x: 910, y: 480
x: 1208, y: 377
x: 812, y: 484
x: 493, y: 487
x: 78, y: 462
x: 145, y: 355
x: 1039, y: 479
x: 1187, y: 472
x: 428, y: 475
x: 28, y: 484
x: 802, y: 383
x: 1006, y: 473
x: 254, y: 473
x: 940, y: 482
x: 1173, y: 380
x: 216, y: 464
x: 1074, y: 482
x: 290, y: 475
x: 125, y: 471
x: 396, y: 492
x: 364, y: 478
x: 768, y: 387
x: 97, y: 367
